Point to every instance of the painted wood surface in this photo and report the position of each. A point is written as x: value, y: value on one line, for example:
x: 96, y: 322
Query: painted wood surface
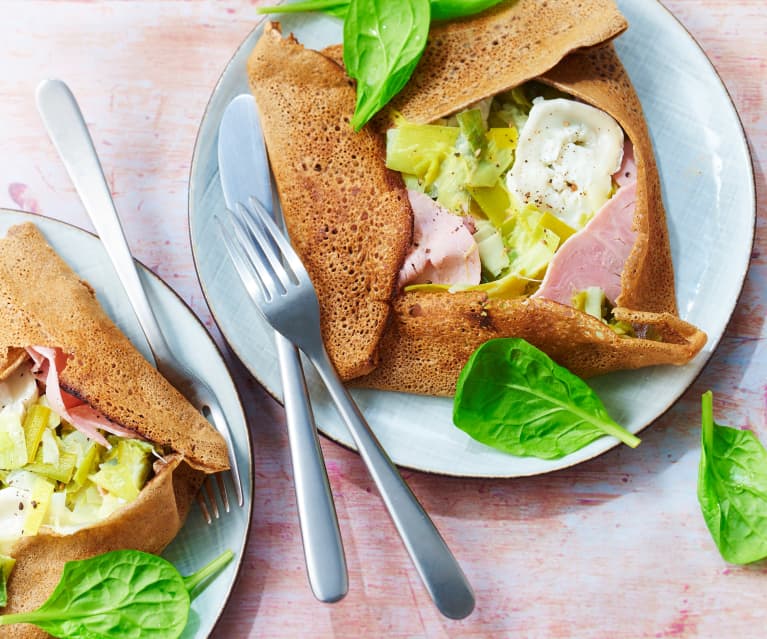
x: 613, y: 548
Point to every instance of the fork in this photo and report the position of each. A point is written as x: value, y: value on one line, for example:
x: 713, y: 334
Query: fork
x: 279, y: 285
x: 67, y: 129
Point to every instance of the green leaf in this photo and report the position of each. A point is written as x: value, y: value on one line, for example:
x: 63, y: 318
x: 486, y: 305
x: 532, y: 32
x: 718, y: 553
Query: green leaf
x: 332, y: 7
x: 451, y: 9
x: 514, y: 397
x: 383, y: 41
x: 125, y: 593
x: 440, y: 9
x: 732, y: 488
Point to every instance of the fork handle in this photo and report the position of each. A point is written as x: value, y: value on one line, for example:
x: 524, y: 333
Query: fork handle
x: 323, y: 548
x: 66, y: 127
x: 438, y: 568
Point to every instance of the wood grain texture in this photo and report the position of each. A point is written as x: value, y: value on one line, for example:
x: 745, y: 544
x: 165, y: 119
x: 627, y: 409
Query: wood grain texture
x: 614, y: 548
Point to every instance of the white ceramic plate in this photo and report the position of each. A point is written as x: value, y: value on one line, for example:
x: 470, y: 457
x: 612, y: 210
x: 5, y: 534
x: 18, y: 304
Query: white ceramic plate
x: 708, y: 188
x: 197, y: 543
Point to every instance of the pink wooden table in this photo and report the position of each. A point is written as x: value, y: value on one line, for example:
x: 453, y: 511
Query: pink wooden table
x: 613, y: 548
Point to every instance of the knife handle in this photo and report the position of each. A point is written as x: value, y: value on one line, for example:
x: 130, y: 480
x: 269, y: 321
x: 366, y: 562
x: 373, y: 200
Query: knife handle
x: 323, y: 548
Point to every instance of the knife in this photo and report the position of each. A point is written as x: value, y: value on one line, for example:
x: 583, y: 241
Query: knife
x: 244, y: 172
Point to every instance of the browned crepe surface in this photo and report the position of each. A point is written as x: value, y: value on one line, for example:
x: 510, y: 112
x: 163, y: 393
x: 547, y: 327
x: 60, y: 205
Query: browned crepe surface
x: 466, y: 60
x: 432, y: 335
x: 44, y: 303
x: 149, y: 523
x: 347, y: 214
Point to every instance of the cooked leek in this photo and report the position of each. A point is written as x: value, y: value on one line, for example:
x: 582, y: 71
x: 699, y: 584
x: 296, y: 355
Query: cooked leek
x: 61, y: 471
x: 13, y: 447
x: 125, y: 468
x: 35, y: 424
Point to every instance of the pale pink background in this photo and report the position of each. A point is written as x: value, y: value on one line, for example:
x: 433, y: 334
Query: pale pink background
x: 613, y: 548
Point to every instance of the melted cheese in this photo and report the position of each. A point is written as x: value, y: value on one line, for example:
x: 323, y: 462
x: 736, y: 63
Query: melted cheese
x: 18, y: 391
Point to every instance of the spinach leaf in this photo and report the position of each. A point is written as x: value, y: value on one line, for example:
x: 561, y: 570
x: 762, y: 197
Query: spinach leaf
x: 514, y: 397
x: 333, y: 7
x: 440, y: 9
x: 732, y: 488
x: 383, y: 41
x: 124, y: 593
x: 451, y: 9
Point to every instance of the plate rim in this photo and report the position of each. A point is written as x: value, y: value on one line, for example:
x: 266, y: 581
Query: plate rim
x: 240, y: 556
x: 742, y: 271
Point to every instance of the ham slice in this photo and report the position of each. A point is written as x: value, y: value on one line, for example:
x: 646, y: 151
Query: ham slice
x: 443, y: 250
x: 47, y: 364
x: 595, y: 255
x: 627, y: 172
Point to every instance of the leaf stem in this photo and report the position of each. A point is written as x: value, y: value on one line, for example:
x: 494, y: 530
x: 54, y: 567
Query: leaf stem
x: 607, y: 427
x: 196, y: 578
x: 308, y: 5
x: 707, y: 419
x: 621, y: 433
x: 19, y: 617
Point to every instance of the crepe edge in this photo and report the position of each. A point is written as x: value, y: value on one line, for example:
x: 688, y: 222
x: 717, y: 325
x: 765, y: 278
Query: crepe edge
x: 432, y: 336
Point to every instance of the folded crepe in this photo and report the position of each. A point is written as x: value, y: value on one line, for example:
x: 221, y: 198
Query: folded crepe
x: 347, y: 214
x: 43, y: 303
x: 422, y: 342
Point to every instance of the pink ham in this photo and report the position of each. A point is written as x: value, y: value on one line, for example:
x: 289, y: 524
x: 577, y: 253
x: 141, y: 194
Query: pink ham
x: 48, y: 363
x: 628, y: 170
x: 595, y: 255
x: 443, y: 251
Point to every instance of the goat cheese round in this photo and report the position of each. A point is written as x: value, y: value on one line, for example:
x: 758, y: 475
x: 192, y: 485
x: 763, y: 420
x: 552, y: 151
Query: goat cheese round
x: 565, y: 159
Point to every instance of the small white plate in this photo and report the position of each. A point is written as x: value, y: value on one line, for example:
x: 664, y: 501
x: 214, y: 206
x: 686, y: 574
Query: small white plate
x: 197, y: 543
x: 708, y: 188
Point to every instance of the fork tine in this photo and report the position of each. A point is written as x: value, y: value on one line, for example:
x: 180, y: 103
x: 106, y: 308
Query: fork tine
x: 259, y: 235
x: 206, y: 498
x: 212, y: 490
x: 256, y: 263
x: 222, y: 490
x: 277, y: 236
x: 236, y: 250
x: 218, y: 417
x: 255, y: 254
x: 211, y: 498
x: 204, y: 507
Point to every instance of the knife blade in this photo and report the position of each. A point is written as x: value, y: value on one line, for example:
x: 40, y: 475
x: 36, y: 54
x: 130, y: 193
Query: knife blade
x: 244, y: 172
x: 242, y: 162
